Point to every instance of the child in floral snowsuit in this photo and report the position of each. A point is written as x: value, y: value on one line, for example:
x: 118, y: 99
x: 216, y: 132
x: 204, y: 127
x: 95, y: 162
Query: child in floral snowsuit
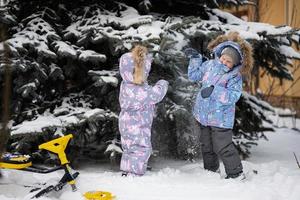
x: 214, y: 108
x: 137, y: 100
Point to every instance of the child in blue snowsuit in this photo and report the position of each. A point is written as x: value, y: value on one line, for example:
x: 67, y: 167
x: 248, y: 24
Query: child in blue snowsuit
x: 214, y: 108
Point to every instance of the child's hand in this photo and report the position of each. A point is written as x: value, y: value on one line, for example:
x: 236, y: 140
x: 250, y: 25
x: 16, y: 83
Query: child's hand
x: 191, y: 53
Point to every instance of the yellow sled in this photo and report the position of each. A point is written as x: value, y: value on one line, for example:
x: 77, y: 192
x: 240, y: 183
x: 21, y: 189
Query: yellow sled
x: 23, y: 162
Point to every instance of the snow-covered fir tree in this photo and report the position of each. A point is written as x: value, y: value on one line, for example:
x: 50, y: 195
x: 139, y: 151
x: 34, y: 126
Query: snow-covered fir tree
x: 64, y: 63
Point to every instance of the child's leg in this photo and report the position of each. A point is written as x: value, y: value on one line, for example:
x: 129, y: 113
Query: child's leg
x: 224, y: 147
x: 125, y: 160
x: 143, y: 150
x: 136, y: 151
x: 210, y: 158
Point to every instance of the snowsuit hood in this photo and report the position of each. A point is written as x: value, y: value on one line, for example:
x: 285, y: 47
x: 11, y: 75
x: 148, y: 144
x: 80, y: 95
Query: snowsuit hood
x: 126, y: 70
x: 234, y: 40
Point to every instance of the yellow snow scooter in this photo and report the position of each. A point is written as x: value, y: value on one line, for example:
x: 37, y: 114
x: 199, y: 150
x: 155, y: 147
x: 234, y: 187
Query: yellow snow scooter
x: 23, y: 162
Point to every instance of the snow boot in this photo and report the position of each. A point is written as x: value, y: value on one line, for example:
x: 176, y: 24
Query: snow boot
x: 149, y: 168
x: 239, y: 176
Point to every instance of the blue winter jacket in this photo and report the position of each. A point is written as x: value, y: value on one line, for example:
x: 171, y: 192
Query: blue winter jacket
x: 218, y: 110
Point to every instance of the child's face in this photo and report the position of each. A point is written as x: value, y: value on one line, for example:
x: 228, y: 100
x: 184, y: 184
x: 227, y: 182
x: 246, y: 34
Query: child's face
x: 226, y: 60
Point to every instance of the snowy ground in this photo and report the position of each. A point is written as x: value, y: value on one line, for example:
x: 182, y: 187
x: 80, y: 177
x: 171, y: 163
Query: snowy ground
x: 278, y: 178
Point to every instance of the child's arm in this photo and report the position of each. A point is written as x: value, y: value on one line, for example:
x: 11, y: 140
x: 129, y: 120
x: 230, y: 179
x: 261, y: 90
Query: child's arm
x: 158, y: 91
x: 230, y: 94
x: 134, y: 98
x: 195, y: 69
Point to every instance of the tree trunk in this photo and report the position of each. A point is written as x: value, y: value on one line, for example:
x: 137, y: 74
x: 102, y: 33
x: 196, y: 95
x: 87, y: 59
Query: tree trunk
x: 4, y: 132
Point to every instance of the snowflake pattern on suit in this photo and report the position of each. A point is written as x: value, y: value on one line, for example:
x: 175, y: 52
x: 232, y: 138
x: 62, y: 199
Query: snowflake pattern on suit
x: 137, y: 104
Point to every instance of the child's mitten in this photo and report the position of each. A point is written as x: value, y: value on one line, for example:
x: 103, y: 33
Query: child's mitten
x: 206, y: 92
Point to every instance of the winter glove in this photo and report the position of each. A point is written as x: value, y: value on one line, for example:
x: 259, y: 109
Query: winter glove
x: 191, y: 53
x: 206, y: 92
x: 198, y: 42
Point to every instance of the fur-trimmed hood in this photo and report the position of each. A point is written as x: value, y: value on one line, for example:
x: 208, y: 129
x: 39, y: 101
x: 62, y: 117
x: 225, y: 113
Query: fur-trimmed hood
x: 245, y: 50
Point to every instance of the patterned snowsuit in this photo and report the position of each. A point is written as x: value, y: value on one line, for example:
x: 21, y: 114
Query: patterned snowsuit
x: 218, y: 110
x: 135, y: 120
x: 216, y: 113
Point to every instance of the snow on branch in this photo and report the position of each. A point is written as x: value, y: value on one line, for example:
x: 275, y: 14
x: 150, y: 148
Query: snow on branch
x: 64, y: 50
x: 104, y: 77
x: 35, y: 35
x: 6, y: 17
x: 90, y: 55
x: 260, y: 105
x: 289, y: 52
x: 63, y: 116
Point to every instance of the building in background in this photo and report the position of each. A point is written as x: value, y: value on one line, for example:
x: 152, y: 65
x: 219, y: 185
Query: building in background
x: 283, y: 93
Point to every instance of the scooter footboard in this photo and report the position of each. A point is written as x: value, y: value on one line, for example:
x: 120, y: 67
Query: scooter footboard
x: 15, y: 161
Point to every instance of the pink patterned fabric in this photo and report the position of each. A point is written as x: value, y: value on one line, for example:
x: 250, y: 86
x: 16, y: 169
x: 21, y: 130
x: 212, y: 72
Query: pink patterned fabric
x: 137, y: 104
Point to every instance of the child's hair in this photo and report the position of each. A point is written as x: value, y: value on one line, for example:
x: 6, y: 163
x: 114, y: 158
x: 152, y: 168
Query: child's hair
x: 139, y: 56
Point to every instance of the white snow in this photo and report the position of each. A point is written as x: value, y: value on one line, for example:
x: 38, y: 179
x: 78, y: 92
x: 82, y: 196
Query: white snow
x: 64, y: 50
x: 103, y: 72
x: 93, y: 112
x: 1, y: 46
x: 289, y: 52
x: 231, y: 18
x: 278, y: 177
x: 124, y: 27
x: 113, y: 148
x: 106, y: 76
x: 86, y: 55
x: 62, y: 117
x: 36, y: 125
x: 112, y: 80
x: 35, y: 36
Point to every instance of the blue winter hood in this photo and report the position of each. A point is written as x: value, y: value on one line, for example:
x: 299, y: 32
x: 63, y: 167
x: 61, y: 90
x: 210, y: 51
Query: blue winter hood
x: 244, y: 48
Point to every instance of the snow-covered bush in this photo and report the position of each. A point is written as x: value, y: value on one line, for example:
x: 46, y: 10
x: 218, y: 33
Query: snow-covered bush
x: 64, y: 62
